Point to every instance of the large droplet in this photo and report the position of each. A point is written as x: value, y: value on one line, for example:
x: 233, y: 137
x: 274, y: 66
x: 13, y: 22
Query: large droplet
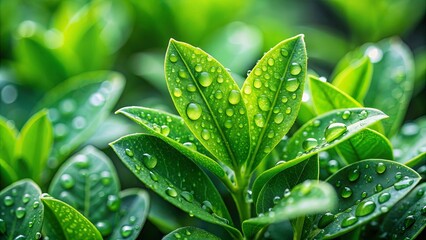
x: 346, y: 114
x: 264, y: 103
x: 67, y: 181
x: 187, y: 196
x: 403, y: 184
x: 104, y: 228
x: 126, y: 231
x: 309, y: 144
x: 171, y: 192
x: 271, y: 62
x: 206, y: 205
x: 259, y: 120
x: 334, y: 131
x: 295, y: 69
x: 257, y: 83
x: 365, y: 208
x: 346, y: 192
x: 129, y: 152
x: 173, y: 58
x: 234, y: 97
x: 363, y: 115
x: 20, y: 212
x: 198, y: 68
x: 205, y: 79
x: 182, y: 73
x: 113, y: 203
x: 194, y: 111
x: 218, y: 94
x: 353, y: 175
x: 177, y: 92
x: 26, y: 198
x: 190, y: 145
x: 191, y: 88
x: 325, y: 220
x: 165, y: 130
x: 384, y: 197
x: 409, y: 221
x: 284, y: 52
x: 380, y: 168
x: 205, y: 134
x: 349, y: 221
x: 149, y: 161
x: 292, y: 84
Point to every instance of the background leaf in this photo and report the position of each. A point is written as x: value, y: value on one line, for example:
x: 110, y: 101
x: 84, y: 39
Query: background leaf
x: 64, y: 222
x: 190, y: 233
x: 181, y: 182
x: 88, y: 182
x: 76, y: 108
x: 209, y: 101
x: 8, y: 135
x: 410, y: 141
x: 273, y: 93
x: 21, y: 213
x: 366, y: 189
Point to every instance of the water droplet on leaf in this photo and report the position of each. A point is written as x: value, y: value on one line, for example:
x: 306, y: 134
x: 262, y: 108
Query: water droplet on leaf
x: 292, y: 84
x: 365, y: 208
x: 334, y: 131
x: 309, y: 144
x: 194, y: 111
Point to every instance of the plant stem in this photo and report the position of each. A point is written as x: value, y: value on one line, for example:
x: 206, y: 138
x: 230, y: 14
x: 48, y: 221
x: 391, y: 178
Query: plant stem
x: 239, y: 196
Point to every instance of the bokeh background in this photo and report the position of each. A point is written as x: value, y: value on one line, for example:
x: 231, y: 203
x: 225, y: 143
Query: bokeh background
x: 45, y: 42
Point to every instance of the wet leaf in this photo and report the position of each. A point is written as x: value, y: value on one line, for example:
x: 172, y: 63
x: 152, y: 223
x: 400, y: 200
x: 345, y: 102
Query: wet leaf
x: 7, y: 173
x: 21, y: 212
x: 190, y: 233
x: 180, y: 182
x: 366, y: 189
x: 64, y: 222
x: 273, y: 93
x: 306, y: 198
x: 89, y: 183
x: 209, y: 101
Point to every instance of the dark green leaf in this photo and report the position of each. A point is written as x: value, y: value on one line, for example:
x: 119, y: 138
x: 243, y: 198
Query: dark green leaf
x: 308, y: 197
x: 355, y: 79
x: 366, y: 190
x: 34, y: 143
x: 407, y: 218
x: 8, y: 135
x: 209, y: 101
x: 171, y: 129
x: 273, y: 93
x: 7, y: 173
x: 64, y: 222
x: 174, y: 177
x: 21, y: 213
x: 367, y: 144
x: 190, y: 233
x: 133, y: 213
x: 76, y: 108
x: 88, y: 182
x: 165, y: 216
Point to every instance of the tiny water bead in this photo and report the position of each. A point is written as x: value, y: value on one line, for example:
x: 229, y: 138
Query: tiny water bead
x: 67, y: 181
x: 36, y: 204
x: 20, y: 212
x: 149, y: 161
x: 126, y: 231
x: 205, y: 79
x: 349, y: 221
x: 380, y: 168
x: 194, y: 111
x: 292, y: 84
x: 173, y: 58
x: 129, y: 152
x: 384, y: 197
x: 346, y: 192
x: 334, y: 131
x: 346, y: 114
x: 284, y: 52
x: 325, y: 220
x: 295, y: 69
x: 309, y: 144
x: 234, y: 97
x: 365, y: 208
x: 8, y: 201
x: 264, y: 103
x: 171, y: 192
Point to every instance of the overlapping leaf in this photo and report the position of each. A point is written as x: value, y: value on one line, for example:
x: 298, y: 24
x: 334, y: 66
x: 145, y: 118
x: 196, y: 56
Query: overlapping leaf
x: 209, y: 101
x: 273, y: 93
x: 174, y: 177
x: 8, y: 135
x: 190, y: 233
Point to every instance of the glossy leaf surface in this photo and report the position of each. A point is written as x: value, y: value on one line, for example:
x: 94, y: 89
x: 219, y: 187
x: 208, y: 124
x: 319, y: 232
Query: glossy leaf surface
x: 21, y: 213
x: 410, y: 141
x: 366, y: 189
x: 8, y: 135
x: 171, y: 129
x: 306, y: 198
x: 64, y: 222
x: 180, y: 182
x: 76, y: 108
x: 273, y: 93
x: 190, y: 233
x: 209, y: 101
x: 133, y: 213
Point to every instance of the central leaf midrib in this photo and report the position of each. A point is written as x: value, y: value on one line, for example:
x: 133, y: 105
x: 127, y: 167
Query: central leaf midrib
x: 225, y: 140
x: 262, y: 133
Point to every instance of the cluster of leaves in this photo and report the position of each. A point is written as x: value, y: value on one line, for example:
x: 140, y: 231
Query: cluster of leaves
x: 233, y: 134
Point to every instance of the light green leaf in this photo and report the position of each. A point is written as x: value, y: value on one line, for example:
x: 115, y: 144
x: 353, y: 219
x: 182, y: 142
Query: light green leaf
x: 273, y: 93
x: 209, y: 101
x: 171, y: 129
x: 8, y: 135
x: 21, y: 213
x: 174, y: 177
x: 366, y: 190
x: 314, y: 131
x: 190, y: 233
x: 88, y: 182
x: 407, y: 219
x: 7, y: 174
x: 64, y: 222
x: 367, y: 144
x: 306, y: 198
x: 133, y: 213
x: 77, y: 107
x: 34, y: 144
x: 355, y: 79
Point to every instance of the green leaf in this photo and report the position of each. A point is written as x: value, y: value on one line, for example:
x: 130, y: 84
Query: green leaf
x: 181, y: 182
x: 190, y: 233
x: 273, y: 93
x: 355, y: 79
x: 267, y: 194
x: 7, y: 173
x: 367, y: 144
x: 64, y: 222
x: 76, y: 108
x: 165, y: 216
x: 8, y: 135
x: 366, y: 190
x: 21, y: 213
x: 308, y: 197
x: 88, y: 182
x: 209, y: 101
x: 315, y: 131
x: 34, y: 144
x: 406, y: 220
x: 133, y: 213
x: 171, y: 129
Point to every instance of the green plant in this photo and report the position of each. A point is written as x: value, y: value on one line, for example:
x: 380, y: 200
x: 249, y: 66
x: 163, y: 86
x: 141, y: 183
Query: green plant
x: 233, y: 134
